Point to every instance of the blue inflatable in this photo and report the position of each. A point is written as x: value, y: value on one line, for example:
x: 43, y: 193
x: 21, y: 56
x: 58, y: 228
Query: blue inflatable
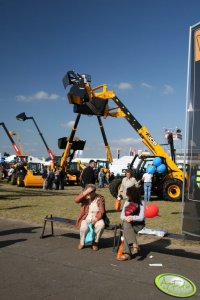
x: 162, y: 168
x: 157, y: 161
x: 150, y: 169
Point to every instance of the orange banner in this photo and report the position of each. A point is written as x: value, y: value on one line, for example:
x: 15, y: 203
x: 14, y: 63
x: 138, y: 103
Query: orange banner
x: 197, y: 45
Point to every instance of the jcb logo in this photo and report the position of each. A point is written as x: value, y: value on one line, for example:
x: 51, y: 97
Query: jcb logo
x: 152, y: 140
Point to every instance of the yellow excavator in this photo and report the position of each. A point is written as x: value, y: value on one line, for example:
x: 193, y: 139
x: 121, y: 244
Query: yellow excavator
x: 73, y: 169
x: 94, y: 101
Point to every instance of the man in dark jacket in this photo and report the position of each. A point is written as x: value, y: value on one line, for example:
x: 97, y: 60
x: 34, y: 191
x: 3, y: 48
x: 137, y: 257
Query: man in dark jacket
x: 62, y: 178
x: 88, y: 175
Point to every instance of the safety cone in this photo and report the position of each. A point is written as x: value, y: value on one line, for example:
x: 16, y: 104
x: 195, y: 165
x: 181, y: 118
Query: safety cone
x: 120, y: 250
x: 117, y: 204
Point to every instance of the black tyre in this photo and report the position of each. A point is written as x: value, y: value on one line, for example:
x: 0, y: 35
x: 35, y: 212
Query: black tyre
x: 114, y: 187
x: 172, y: 190
x: 71, y: 182
x: 160, y: 195
x: 13, y: 179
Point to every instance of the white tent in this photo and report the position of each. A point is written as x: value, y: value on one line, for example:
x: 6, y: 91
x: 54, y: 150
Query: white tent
x: 122, y: 163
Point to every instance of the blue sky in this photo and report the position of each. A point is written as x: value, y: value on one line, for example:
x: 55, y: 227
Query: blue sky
x: 138, y: 48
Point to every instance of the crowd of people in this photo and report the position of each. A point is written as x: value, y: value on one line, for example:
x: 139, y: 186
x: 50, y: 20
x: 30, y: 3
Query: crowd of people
x: 53, y: 178
x: 103, y: 177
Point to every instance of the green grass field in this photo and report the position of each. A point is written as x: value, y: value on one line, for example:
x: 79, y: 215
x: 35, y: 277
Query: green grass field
x: 33, y: 204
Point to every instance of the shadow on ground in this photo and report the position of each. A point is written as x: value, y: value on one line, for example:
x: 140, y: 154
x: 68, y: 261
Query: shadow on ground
x: 10, y: 242
x: 19, y: 230
x: 161, y: 246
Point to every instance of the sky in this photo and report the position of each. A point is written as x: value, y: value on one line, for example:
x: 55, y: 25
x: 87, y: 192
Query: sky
x: 138, y: 48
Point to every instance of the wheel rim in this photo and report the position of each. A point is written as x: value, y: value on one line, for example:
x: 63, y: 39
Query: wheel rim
x: 174, y: 191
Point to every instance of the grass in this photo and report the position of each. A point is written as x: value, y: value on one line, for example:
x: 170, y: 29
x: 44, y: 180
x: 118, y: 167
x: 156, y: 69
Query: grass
x: 33, y: 204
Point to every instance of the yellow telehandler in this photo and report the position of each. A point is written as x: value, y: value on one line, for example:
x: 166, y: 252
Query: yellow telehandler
x: 94, y: 101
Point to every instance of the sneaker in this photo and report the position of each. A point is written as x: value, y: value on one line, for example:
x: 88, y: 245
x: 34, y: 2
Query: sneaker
x: 124, y: 257
x: 135, y: 250
x: 95, y: 247
x: 80, y: 247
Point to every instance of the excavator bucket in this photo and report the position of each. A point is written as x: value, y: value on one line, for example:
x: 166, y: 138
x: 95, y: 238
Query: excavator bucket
x: 96, y: 107
x: 76, y: 145
x: 70, y: 78
x: 73, y: 78
x: 78, y: 95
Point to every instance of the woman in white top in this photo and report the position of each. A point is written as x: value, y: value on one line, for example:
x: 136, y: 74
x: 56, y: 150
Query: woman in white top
x: 92, y: 211
x: 127, y: 182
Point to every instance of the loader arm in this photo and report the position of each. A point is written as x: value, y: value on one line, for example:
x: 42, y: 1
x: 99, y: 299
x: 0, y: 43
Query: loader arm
x: 147, y: 139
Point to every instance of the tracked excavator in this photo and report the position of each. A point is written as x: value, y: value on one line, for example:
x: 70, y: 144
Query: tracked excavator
x: 94, y: 101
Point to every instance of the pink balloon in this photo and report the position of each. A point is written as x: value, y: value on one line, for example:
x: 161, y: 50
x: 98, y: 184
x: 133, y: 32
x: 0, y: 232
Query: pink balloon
x: 151, y: 210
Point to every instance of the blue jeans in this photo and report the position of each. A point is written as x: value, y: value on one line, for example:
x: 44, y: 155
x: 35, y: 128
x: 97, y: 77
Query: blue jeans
x: 44, y: 183
x: 147, y: 191
x: 101, y: 182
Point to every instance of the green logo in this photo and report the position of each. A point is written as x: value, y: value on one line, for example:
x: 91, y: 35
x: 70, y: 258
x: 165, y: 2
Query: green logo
x: 175, y: 285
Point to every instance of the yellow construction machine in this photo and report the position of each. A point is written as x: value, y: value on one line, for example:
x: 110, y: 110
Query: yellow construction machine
x: 74, y: 169
x: 25, y: 173
x: 94, y: 101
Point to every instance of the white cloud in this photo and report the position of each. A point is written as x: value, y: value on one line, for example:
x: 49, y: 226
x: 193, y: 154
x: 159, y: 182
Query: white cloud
x: 38, y: 96
x: 146, y: 85
x: 70, y: 124
x: 125, y: 86
x: 168, y: 89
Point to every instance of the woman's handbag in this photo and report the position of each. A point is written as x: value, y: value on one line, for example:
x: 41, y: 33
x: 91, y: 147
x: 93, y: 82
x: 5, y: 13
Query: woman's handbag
x: 90, y: 234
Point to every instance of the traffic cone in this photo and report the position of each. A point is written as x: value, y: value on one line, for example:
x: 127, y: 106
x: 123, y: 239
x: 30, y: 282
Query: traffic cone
x: 117, y: 204
x: 120, y: 250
